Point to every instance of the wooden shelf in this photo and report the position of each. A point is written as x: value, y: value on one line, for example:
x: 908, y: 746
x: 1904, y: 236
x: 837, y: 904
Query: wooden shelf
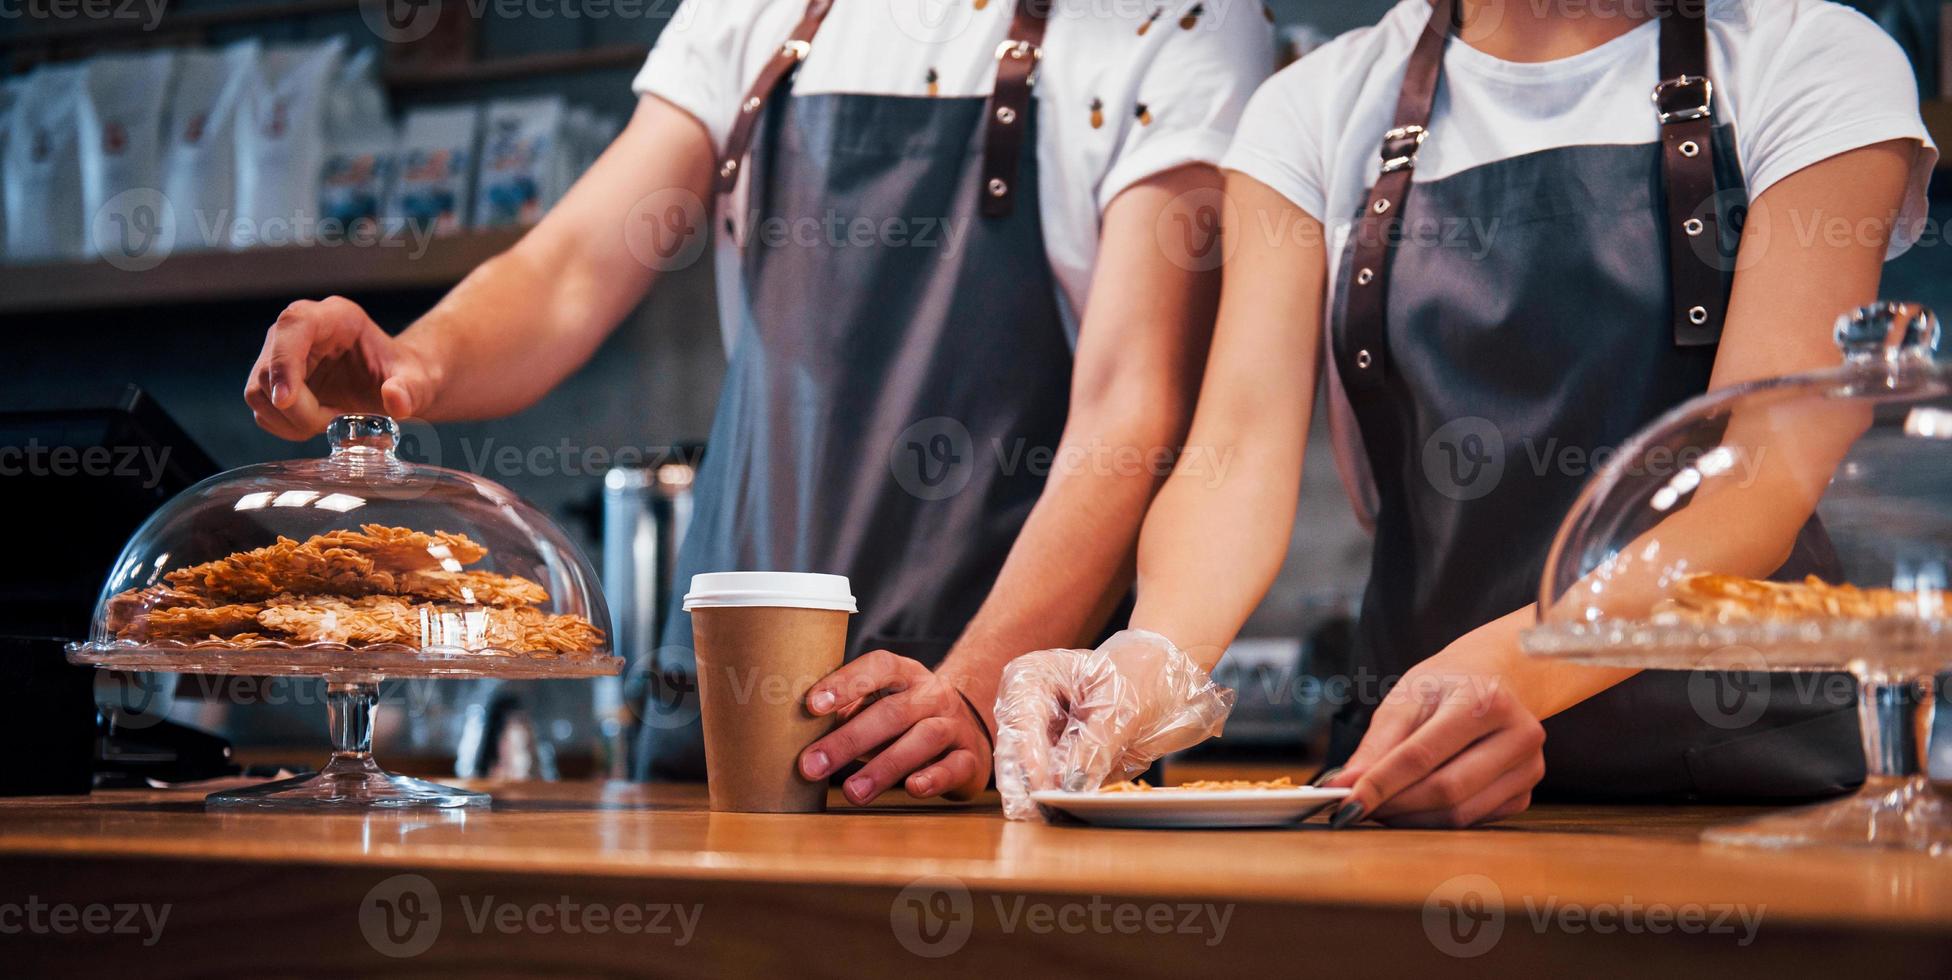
x: 519, y: 66
x: 296, y: 272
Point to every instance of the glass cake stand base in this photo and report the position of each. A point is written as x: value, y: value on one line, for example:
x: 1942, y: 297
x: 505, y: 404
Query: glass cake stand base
x: 1899, y: 807
x: 1903, y: 813
x: 348, y: 782
x: 352, y: 780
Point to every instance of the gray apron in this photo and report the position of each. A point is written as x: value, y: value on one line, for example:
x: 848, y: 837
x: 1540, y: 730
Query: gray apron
x: 1549, y: 332
x: 884, y: 399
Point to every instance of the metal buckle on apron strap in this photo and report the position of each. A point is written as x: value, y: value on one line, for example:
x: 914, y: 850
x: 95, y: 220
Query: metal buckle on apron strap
x: 1400, y: 146
x: 1019, y: 50
x: 1700, y: 110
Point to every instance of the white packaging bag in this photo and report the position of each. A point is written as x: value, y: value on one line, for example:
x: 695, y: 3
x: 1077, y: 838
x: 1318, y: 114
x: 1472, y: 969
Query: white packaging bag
x: 523, y: 147
x: 361, y: 151
x: 281, y: 144
x: 582, y: 127
x: 42, y: 170
x: 437, y: 150
x: 120, y: 149
x: 200, y: 142
x: 10, y: 89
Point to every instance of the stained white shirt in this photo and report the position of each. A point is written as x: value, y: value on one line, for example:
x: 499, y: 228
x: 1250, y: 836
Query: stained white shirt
x: 1127, y: 89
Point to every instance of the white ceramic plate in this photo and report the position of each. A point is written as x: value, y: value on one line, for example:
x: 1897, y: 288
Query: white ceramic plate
x: 1192, y: 808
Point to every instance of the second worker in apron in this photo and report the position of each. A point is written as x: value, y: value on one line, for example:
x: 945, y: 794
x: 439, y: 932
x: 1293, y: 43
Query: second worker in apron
x: 1502, y: 230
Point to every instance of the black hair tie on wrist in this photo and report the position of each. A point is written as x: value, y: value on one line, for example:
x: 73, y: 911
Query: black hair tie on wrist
x: 980, y: 723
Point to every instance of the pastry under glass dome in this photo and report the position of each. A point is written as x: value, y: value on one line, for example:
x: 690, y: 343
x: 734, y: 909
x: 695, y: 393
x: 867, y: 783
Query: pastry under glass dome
x: 354, y: 567
x: 1801, y: 523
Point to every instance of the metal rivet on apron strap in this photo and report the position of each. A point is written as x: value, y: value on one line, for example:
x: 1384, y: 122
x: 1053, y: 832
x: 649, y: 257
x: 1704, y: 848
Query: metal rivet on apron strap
x: 1692, y: 226
x: 752, y: 104
x: 1006, y: 115
x: 1697, y: 315
x: 1362, y: 359
x: 1382, y: 205
x: 728, y: 168
x: 1690, y: 148
x: 998, y: 188
x: 1365, y: 276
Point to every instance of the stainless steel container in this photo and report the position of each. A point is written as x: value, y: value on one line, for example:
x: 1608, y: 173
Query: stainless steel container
x: 646, y: 510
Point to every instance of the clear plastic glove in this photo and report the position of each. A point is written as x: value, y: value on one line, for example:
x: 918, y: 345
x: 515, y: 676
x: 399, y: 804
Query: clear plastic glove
x: 1078, y: 719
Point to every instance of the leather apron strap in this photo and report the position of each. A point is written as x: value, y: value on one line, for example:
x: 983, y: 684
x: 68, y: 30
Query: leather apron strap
x: 1016, y: 71
x: 788, y: 57
x: 1684, y: 101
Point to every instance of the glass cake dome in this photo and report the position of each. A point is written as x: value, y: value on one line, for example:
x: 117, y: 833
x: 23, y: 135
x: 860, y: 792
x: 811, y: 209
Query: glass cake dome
x: 1801, y: 523
x: 354, y: 567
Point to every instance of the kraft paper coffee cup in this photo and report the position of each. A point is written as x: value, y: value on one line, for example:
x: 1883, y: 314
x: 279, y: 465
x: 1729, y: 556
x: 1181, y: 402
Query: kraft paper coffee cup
x: 763, y: 639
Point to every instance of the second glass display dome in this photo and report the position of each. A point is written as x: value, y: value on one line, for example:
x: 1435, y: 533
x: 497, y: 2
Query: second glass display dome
x: 1801, y: 523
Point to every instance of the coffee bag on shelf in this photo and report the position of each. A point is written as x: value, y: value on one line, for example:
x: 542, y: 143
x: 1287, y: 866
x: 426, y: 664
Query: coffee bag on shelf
x: 41, y: 178
x: 200, y: 142
x: 281, y: 144
x: 361, y: 150
x: 437, y: 152
x: 524, y: 161
x: 120, y: 150
x: 10, y: 89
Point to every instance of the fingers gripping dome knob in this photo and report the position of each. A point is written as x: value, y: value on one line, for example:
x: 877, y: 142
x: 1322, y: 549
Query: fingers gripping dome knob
x: 1799, y: 523
x: 358, y: 561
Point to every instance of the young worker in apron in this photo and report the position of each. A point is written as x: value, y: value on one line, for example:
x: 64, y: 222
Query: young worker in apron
x: 967, y: 256
x: 1504, y: 224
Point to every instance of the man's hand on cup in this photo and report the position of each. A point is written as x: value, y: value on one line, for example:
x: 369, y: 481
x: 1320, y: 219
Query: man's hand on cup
x: 911, y: 725
x: 327, y: 358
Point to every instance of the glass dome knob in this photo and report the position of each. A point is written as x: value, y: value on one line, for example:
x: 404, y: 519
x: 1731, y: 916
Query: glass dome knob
x: 363, y: 433
x: 1888, y: 330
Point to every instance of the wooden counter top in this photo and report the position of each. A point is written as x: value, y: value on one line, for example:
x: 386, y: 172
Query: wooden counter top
x: 820, y: 876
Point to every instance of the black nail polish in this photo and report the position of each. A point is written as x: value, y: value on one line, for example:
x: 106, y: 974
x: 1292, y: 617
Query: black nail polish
x: 1322, y: 778
x: 1345, y: 815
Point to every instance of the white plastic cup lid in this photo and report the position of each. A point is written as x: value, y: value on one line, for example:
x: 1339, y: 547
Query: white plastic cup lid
x: 792, y: 590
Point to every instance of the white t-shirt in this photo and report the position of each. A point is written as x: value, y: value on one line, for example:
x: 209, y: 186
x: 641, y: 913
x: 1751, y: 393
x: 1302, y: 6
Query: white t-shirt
x: 1800, y: 80
x: 1192, y: 72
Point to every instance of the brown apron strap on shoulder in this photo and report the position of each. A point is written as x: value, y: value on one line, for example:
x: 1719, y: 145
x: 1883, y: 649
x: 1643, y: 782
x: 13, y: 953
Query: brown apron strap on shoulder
x: 1361, y: 355
x: 1685, y: 101
x: 1005, y: 119
x: 788, y: 57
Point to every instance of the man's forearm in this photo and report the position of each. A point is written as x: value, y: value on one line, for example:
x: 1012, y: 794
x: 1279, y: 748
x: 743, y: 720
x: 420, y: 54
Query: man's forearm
x: 507, y: 334
x: 528, y: 318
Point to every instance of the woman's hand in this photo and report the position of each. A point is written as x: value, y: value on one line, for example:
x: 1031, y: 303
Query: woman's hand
x: 1078, y: 719
x: 1452, y: 745
x: 327, y: 358
x: 912, y: 725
